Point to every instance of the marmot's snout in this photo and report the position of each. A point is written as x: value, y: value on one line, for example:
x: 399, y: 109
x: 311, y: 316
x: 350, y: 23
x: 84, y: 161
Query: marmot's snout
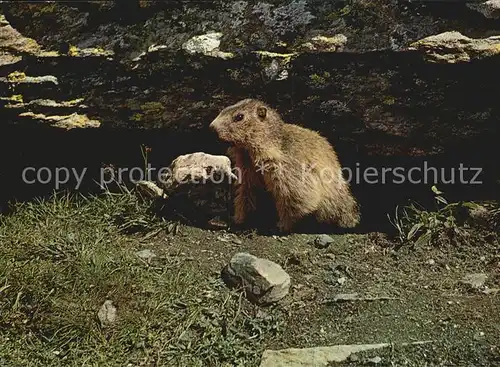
x: 217, y: 127
x: 212, y: 126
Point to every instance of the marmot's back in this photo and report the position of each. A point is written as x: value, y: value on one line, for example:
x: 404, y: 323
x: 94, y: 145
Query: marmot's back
x: 308, y: 147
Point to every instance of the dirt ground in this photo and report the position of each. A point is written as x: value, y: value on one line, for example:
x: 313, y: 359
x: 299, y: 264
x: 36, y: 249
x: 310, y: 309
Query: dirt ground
x: 421, y: 294
x: 61, y: 259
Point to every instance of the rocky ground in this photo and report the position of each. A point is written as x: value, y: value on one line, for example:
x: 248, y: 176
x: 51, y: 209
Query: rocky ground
x: 103, y: 282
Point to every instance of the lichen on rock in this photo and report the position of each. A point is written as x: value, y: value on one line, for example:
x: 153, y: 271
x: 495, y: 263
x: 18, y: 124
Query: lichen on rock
x: 44, y: 103
x: 453, y: 47
x: 17, y: 77
x: 283, y: 19
x: 324, y: 44
x: 275, y: 65
x: 206, y: 44
x: 69, y: 122
x: 14, y: 42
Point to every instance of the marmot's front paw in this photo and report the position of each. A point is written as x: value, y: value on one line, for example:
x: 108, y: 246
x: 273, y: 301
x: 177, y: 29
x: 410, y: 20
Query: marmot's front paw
x: 239, y: 218
x: 284, y: 226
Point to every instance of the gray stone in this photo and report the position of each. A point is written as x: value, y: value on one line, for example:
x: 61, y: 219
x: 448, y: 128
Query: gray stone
x: 323, y: 241
x: 475, y: 280
x: 150, y: 189
x: 146, y: 254
x: 375, y: 360
x: 107, y: 314
x: 490, y: 9
x: 265, y: 281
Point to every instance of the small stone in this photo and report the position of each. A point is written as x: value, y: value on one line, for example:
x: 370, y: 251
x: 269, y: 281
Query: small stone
x: 431, y: 262
x: 265, y: 281
x: 261, y: 314
x: 107, y: 313
x: 230, y: 238
x: 146, y: 254
x: 346, y: 297
x: 322, y: 241
x: 237, y: 241
x: 341, y: 280
x: 375, y: 360
x: 217, y: 224
x: 479, y: 335
x: 353, y: 358
x: 491, y: 290
x: 475, y: 280
x: 150, y: 189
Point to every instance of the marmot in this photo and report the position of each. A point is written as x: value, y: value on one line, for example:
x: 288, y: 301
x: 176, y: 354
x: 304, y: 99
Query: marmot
x: 297, y: 166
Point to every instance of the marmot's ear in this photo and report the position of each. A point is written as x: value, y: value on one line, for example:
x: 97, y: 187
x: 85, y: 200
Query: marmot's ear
x: 262, y: 112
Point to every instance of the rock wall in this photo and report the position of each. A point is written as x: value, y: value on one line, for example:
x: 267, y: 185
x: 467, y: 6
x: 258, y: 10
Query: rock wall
x: 378, y: 78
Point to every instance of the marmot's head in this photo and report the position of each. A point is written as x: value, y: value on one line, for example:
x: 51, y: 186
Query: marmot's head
x: 248, y: 123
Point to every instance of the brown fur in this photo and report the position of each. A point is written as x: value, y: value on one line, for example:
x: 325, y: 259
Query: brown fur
x: 302, y: 171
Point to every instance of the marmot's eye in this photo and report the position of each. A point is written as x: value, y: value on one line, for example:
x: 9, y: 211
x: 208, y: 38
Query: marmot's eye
x: 238, y: 117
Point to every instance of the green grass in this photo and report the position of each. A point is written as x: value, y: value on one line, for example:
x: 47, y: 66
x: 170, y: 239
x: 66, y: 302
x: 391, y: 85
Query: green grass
x: 61, y: 258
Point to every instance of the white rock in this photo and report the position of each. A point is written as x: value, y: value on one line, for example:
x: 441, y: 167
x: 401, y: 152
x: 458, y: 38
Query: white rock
x: 206, y: 44
x: 196, y: 168
x: 107, y: 313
